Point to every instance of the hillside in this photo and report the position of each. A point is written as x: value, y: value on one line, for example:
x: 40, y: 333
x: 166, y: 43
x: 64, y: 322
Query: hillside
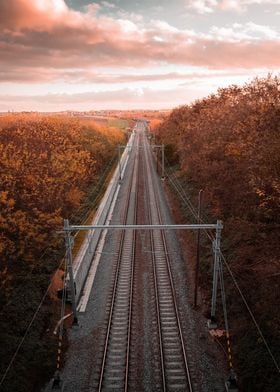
x: 228, y: 144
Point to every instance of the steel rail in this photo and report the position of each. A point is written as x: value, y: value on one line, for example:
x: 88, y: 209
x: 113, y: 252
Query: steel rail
x: 156, y: 290
x: 176, y: 307
x: 131, y: 285
x: 168, y: 264
x: 114, y: 295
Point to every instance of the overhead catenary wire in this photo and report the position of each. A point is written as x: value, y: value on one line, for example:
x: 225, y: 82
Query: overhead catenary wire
x: 181, y: 192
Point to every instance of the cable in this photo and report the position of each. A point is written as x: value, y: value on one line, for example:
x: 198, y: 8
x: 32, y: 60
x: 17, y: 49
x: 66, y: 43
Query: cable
x: 24, y: 336
x: 223, y: 294
x: 62, y: 313
x: 181, y: 193
x: 18, y: 289
x: 27, y: 329
x: 251, y: 313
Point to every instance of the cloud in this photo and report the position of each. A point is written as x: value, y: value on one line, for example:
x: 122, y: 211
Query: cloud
x: 44, y: 40
x: 193, y: 87
x: 107, y: 4
x: 18, y: 14
x: 202, y: 6
x: 128, y: 98
x: 244, y: 32
x: 264, y: 31
x: 83, y: 77
x: 210, y: 6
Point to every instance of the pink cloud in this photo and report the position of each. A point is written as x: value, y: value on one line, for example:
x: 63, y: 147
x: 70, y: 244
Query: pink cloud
x: 30, y: 14
x: 117, y: 99
x: 210, y: 6
x: 46, y: 39
x: 44, y: 75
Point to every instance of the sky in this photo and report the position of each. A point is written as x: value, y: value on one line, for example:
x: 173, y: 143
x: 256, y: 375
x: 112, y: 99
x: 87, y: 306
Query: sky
x: 122, y: 54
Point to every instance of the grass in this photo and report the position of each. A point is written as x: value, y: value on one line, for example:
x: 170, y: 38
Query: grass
x: 118, y: 123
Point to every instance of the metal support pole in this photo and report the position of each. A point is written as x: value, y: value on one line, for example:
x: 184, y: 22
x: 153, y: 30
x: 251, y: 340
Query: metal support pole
x: 89, y: 237
x: 119, y: 157
x: 57, y: 383
x: 223, y: 293
x: 217, y: 259
x: 162, y: 161
x: 197, y: 250
x: 157, y: 158
x: 68, y: 244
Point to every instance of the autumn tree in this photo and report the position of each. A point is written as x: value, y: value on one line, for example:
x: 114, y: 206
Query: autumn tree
x: 228, y: 144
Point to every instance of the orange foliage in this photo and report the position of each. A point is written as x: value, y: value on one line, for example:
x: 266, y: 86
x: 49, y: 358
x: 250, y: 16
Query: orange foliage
x: 155, y: 122
x: 228, y: 144
x: 46, y: 167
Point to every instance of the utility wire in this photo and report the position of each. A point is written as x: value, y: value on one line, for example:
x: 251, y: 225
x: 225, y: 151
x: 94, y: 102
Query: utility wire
x: 26, y: 331
x: 178, y: 187
x: 62, y: 313
x: 251, y: 313
x: 24, y: 336
x: 18, y: 289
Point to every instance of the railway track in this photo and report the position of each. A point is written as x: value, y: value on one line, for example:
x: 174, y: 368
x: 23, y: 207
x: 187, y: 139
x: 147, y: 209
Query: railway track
x: 173, y: 359
x: 115, y: 363
x: 117, y: 371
